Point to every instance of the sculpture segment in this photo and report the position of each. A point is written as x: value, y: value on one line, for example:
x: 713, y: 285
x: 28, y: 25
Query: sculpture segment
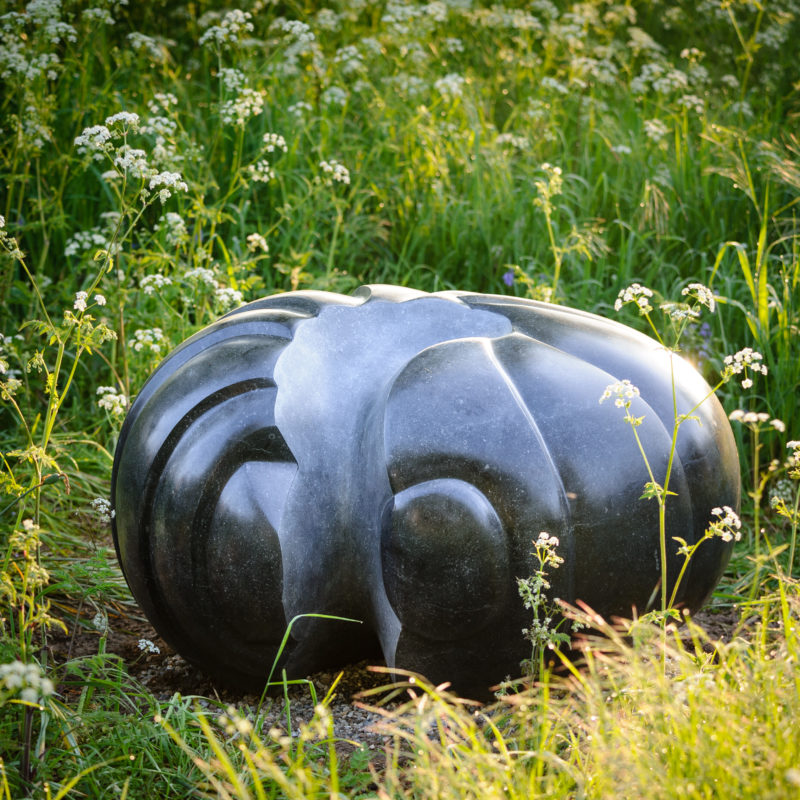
x: 390, y: 457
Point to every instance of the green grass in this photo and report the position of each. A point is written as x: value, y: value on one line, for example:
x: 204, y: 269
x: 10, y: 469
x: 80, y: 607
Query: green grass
x: 672, y: 124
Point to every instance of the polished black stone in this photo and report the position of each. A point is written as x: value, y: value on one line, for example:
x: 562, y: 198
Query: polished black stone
x: 390, y: 456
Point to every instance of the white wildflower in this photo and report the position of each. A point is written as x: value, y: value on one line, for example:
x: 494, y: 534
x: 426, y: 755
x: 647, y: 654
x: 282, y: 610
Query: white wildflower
x: 702, y: 294
x: 655, y: 129
x: 227, y: 297
x: 299, y: 30
x: 80, y: 301
x: 261, y: 171
x: 100, y: 622
x: 623, y: 391
x: 168, y: 182
x: 111, y: 401
x: 174, y: 228
x: 255, y: 241
x: 233, y: 25
x: 637, y: 294
x: 745, y: 361
x: 102, y: 508
x: 450, y: 86
x: 127, y: 120
x: 201, y: 275
x: 95, y: 140
x: 154, y: 283
x: 273, y: 141
x: 728, y: 527
x: 232, y: 79
x: 334, y: 96
x: 337, y: 172
x: 248, y: 103
x: 150, y: 339
x: 132, y: 161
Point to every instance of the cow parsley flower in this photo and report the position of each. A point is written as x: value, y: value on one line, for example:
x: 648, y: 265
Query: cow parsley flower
x: 702, y: 294
x: 636, y: 294
x: 154, y: 283
x: 168, y: 182
x: 337, y: 172
x: 102, y: 508
x: 728, y: 527
x: 96, y: 140
x: 261, y: 171
x: 255, y: 241
x: 744, y: 362
x: 111, y: 401
x: 655, y: 129
x: 146, y: 646
x: 273, y: 141
x: 450, y: 86
x: 149, y: 339
x: 227, y: 297
x: 623, y: 391
x: 232, y: 26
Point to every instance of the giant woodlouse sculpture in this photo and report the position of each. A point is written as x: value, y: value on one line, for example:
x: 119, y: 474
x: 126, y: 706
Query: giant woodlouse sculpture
x: 390, y: 456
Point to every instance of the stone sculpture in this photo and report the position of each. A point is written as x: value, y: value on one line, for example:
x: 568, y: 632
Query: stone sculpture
x: 390, y: 456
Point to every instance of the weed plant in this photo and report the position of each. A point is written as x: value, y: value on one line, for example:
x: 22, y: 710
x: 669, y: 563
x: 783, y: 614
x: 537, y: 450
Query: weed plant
x: 161, y: 163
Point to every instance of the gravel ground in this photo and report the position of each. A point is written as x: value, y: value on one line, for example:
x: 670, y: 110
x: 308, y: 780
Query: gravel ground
x: 165, y: 674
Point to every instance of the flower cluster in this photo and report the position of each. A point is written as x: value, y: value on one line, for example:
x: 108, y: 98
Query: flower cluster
x: 154, y: 283
x: 111, y: 401
x: 728, y: 527
x: 624, y: 392
x: 637, y: 294
x: 337, y: 172
x: 100, y: 623
x: 150, y: 339
x: 756, y: 418
x: 655, y: 129
x: 274, y: 141
x: 450, y: 86
x: 201, y: 275
x: 102, y: 508
x: 261, y: 171
x: 226, y: 297
x: 742, y: 362
x: 25, y: 679
x: 248, y: 103
x: 174, y: 228
x: 793, y: 462
x: 334, y: 96
x: 166, y: 183
x: 102, y: 141
x: 548, y: 187
x: 511, y: 140
x: 232, y: 26
x: 702, y: 294
x: 82, y: 301
x: 94, y: 238
x: 296, y: 29
x: 255, y: 241
x: 146, y: 646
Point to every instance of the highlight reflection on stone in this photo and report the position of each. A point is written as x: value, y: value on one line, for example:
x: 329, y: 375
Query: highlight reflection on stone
x: 391, y: 456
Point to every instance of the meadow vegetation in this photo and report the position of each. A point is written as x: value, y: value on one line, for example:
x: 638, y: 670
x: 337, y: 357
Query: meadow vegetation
x: 164, y: 162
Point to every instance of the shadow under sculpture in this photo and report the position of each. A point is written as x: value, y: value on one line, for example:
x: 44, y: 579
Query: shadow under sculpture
x: 390, y: 456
